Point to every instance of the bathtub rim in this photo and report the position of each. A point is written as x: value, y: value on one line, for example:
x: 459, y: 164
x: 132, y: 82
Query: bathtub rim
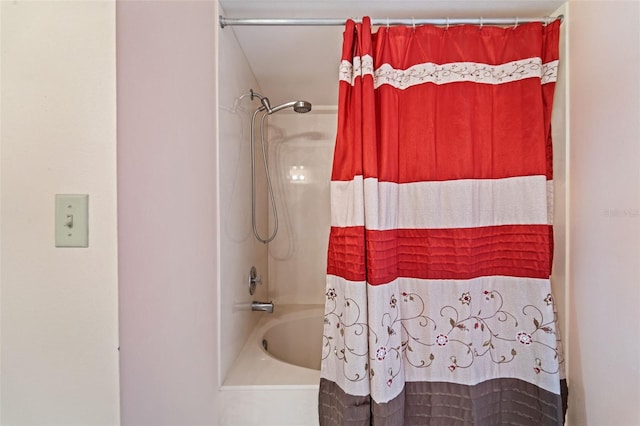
x: 255, y: 368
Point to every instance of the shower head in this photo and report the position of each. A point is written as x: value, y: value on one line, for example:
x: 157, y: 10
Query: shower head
x: 302, y: 107
x: 298, y: 106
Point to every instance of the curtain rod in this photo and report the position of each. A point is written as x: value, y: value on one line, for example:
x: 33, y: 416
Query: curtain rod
x: 224, y: 21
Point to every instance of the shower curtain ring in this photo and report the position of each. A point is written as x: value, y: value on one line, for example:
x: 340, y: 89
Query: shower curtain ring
x: 413, y: 23
x: 387, y: 22
x: 481, y: 23
x: 447, y: 27
x: 516, y: 24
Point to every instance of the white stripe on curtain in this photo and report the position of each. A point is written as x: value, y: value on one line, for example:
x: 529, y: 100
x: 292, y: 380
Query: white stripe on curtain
x: 464, y: 203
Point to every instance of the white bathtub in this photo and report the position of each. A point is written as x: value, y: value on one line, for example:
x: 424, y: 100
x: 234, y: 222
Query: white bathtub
x: 278, y: 386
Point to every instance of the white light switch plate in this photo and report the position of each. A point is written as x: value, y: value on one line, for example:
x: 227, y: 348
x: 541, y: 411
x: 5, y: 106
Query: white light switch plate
x: 72, y: 220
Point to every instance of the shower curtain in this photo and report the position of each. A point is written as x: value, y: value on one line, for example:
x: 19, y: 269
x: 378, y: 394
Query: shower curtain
x: 439, y: 308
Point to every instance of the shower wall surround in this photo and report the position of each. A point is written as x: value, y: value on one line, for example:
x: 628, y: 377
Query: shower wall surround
x: 301, y: 155
x: 239, y: 250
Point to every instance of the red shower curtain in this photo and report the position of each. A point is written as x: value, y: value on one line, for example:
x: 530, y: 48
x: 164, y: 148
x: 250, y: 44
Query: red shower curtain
x: 438, y: 301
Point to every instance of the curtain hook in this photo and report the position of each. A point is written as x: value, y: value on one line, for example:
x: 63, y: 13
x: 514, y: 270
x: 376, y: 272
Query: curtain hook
x: 516, y: 24
x: 481, y: 23
x: 447, y: 27
x: 547, y: 20
x: 413, y: 23
x: 387, y: 22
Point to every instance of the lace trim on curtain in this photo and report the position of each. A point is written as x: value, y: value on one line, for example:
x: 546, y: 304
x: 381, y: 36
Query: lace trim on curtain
x: 454, y: 72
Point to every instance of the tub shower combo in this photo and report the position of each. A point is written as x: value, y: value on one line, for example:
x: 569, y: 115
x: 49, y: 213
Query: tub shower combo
x: 266, y: 109
x: 283, y: 335
x: 438, y: 273
x: 283, y: 350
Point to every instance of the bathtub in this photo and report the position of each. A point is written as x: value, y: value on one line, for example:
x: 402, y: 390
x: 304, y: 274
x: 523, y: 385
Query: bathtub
x: 274, y: 380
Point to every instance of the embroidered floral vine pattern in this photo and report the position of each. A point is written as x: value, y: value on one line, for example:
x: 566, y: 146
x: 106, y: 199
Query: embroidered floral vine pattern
x: 480, y: 322
x: 353, y: 327
x: 497, y: 319
x: 549, y: 328
x: 549, y: 72
x: 414, y: 318
x: 361, y: 66
x: 412, y: 302
x: 449, y: 72
x: 468, y: 330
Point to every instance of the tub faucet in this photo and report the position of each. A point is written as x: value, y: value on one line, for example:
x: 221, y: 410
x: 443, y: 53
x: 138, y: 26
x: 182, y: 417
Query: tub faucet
x: 262, y: 306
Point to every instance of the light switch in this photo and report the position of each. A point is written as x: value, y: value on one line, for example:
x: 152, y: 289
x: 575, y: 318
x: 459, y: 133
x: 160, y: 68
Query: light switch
x: 72, y: 220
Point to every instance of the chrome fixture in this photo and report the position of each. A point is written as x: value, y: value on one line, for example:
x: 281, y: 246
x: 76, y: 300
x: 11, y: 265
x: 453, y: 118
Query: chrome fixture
x: 254, y: 279
x: 299, y: 107
x: 262, y: 306
x: 225, y: 22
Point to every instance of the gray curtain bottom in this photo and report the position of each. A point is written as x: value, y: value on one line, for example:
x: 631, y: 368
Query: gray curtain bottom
x: 491, y: 403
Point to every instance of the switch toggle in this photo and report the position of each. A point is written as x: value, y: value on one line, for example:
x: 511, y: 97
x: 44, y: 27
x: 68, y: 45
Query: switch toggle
x: 69, y: 223
x: 72, y: 220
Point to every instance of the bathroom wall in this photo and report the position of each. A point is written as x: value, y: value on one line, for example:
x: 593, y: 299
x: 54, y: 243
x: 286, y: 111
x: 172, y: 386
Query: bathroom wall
x: 59, y: 308
x: 239, y: 249
x: 167, y: 211
x: 561, y: 141
x: 604, y: 182
x: 301, y: 155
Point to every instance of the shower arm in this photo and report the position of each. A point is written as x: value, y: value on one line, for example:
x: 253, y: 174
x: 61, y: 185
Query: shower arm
x: 281, y: 107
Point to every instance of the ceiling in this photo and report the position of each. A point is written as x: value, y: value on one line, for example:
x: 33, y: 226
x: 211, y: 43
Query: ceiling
x: 302, y: 62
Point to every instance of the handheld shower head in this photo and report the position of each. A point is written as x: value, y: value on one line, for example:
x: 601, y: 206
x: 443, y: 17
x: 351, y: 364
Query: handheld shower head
x: 298, y: 106
x: 302, y: 107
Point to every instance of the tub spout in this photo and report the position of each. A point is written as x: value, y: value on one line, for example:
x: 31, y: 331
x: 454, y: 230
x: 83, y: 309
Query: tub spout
x: 262, y: 306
